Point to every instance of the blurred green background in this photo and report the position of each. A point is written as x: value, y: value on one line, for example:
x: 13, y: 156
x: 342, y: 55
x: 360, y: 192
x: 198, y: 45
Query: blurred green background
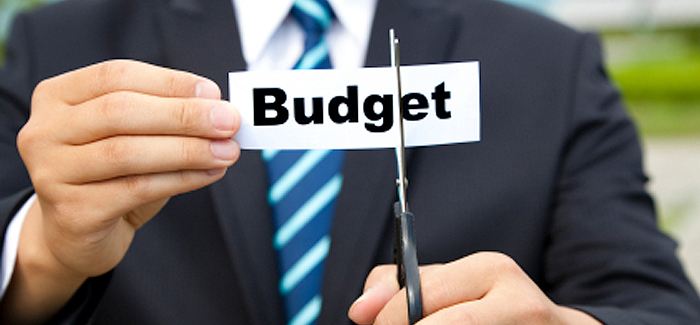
x: 658, y: 72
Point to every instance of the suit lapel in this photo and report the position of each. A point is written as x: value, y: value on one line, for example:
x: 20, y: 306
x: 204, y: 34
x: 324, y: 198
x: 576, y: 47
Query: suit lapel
x: 201, y: 36
x: 364, y: 206
x: 423, y: 27
x: 362, y: 215
x: 241, y: 202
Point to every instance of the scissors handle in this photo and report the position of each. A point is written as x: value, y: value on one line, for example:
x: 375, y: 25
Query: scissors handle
x: 405, y: 256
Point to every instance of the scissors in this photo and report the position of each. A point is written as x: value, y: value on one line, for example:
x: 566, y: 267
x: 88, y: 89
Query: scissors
x: 405, y: 254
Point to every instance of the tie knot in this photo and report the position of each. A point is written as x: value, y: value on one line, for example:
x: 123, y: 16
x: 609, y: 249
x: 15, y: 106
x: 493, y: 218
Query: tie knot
x: 314, y: 16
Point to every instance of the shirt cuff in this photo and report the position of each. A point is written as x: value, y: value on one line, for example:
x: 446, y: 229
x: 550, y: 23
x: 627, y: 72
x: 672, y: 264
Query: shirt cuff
x: 9, y: 247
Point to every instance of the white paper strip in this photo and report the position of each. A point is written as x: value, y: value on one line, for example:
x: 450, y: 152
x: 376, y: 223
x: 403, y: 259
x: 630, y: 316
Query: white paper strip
x: 357, y: 109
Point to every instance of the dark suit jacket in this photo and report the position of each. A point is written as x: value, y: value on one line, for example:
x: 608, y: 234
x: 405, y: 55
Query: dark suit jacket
x: 556, y: 182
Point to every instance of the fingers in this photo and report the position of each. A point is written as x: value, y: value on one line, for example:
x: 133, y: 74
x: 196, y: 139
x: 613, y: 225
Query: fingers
x: 380, y: 287
x: 448, y: 291
x: 128, y: 113
x: 122, y: 118
x: 509, y: 302
x: 384, y: 274
x: 126, y: 193
x: 139, y: 155
x: 124, y: 112
x: 126, y: 98
x: 105, y: 141
x: 105, y: 147
x: 467, y: 279
x: 126, y: 75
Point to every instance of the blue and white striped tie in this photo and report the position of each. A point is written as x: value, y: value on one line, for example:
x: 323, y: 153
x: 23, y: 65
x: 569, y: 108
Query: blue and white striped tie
x: 314, y: 16
x: 303, y: 187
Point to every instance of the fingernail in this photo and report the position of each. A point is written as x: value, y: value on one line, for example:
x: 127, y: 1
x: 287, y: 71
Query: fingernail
x: 207, y: 89
x: 224, y: 149
x: 223, y: 117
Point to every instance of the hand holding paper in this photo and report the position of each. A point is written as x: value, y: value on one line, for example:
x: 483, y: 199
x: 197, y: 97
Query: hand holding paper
x: 106, y: 146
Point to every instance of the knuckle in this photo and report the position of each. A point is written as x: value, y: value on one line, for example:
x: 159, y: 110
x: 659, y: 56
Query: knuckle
x: 185, y: 116
x: 34, y: 130
x: 189, y: 152
x: 535, y: 311
x: 137, y: 185
x: 43, y: 87
x: 30, y: 140
x: 113, y: 107
x: 47, y: 93
x: 26, y: 138
x: 501, y: 263
x: 111, y: 74
x: 438, y: 286
x: 114, y: 152
x: 172, y: 84
x: 184, y: 177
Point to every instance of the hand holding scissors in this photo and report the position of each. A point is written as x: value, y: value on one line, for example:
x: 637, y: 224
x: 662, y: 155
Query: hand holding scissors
x: 405, y: 254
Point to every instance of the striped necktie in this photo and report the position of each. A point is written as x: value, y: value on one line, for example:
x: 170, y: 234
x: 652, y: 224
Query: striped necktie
x: 303, y: 187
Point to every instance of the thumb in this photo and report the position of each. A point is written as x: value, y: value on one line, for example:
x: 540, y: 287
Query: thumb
x: 366, y: 308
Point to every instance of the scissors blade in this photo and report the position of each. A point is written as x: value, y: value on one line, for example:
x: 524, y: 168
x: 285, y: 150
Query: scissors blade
x: 402, y: 181
x: 405, y: 253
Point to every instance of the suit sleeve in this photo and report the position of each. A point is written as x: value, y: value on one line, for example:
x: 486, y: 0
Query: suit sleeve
x: 605, y: 247
x: 16, y: 86
x: 15, y: 94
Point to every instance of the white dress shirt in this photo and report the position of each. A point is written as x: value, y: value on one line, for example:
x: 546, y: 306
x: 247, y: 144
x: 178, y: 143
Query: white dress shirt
x: 270, y: 40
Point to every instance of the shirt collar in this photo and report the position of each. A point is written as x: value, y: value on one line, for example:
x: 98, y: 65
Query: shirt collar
x: 259, y: 19
x: 356, y: 16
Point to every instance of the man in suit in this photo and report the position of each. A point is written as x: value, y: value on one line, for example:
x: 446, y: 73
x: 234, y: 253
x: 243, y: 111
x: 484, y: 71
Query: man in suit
x: 123, y: 228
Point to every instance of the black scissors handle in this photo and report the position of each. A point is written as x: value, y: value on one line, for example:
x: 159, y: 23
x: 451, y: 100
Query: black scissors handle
x: 406, y: 259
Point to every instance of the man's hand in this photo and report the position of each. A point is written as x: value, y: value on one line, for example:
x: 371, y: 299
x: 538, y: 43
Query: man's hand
x: 106, y: 146
x: 483, y: 288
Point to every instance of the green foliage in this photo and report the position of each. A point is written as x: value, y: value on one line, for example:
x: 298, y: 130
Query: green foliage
x: 666, y: 118
x: 658, y: 72
x: 664, y: 98
x: 660, y: 81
